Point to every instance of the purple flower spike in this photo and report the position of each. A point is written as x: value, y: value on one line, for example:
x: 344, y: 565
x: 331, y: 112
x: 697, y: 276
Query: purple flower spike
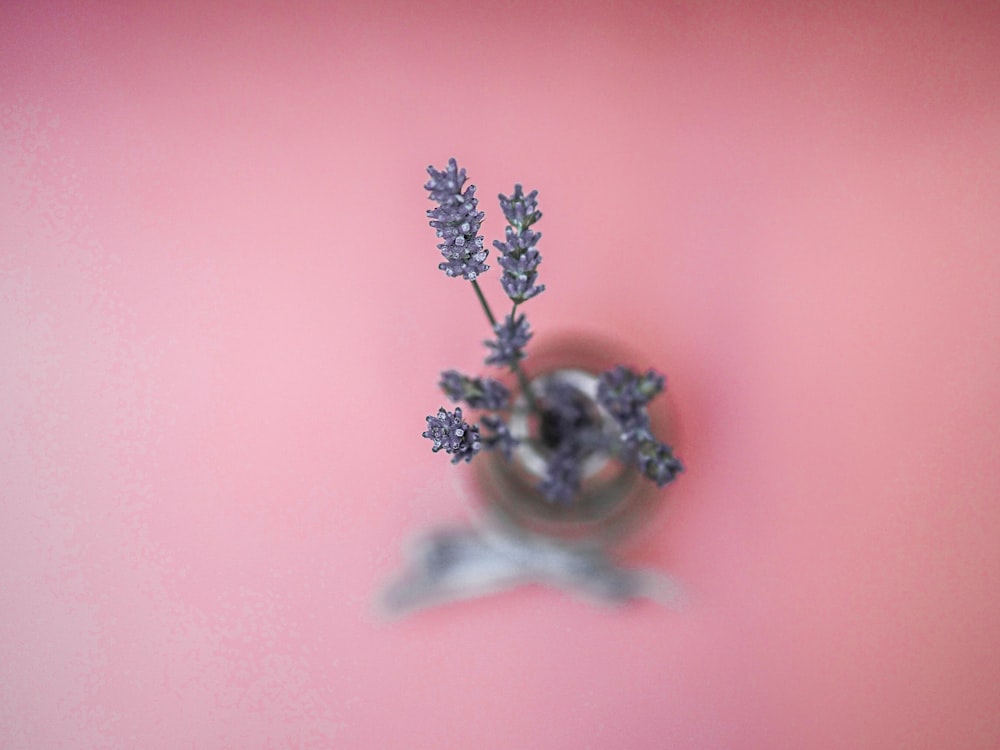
x: 479, y: 393
x: 512, y: 336
x: 520, y: 210
x: 519, y: 257
x: 655, y: 460
x: 456, y: 221
x: 625, y: 394
x: 453, y: 435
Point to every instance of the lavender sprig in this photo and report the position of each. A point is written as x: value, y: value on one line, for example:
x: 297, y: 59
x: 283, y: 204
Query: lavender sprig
x: 511, y: 337
x: 457, y: 221
x: 520, y: 210
x: 452, y: 434
x: 479, y: 393
x: 519, y: 257
x: 655, y: 460
x: 625, y: 394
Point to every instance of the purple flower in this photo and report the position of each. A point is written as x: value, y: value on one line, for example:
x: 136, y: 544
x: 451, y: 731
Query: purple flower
x: 520, y: 210
x: 500, y: 437
x: 457, y: 221
x: 655, y: 460
x: 519, y: 257
x: 508, y: 347
x: 454, y: 435
x: 625, y: 394
x: 479, y: 393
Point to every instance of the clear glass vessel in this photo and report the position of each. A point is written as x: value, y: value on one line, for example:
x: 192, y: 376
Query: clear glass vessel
x: 613, y: 498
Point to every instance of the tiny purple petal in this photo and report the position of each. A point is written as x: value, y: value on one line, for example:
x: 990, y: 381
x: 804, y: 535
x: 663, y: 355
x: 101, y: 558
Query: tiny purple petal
x: 519, y: 257
x: 456, y: 221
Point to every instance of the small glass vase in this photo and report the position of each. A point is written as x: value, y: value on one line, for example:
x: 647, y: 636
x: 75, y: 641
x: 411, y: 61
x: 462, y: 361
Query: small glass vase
x: 614, y: 498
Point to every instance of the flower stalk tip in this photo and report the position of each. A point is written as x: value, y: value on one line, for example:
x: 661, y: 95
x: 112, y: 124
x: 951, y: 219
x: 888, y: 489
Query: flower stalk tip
x: 512, y: 335
x: 457, y: 220
x: 452, y: 434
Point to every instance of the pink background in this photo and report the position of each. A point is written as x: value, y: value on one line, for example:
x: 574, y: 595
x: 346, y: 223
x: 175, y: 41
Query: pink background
x: 221, y: 326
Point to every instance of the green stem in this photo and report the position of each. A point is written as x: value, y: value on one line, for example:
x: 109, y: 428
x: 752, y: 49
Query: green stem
x: 516, y: 366
x: 484, y: 303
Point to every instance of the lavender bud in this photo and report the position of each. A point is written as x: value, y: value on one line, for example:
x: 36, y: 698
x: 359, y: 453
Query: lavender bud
x: 518, y: 255
x: 655, y: 460
x: 450, y: 433
x: 511, y: 337
x: 625, y: 395
x: 479, y: 393
x: 456, y: 221
x: 520, y: 210
x: 519, y: 260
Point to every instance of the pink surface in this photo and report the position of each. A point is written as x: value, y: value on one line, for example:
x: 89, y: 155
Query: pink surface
x: 221, y: 325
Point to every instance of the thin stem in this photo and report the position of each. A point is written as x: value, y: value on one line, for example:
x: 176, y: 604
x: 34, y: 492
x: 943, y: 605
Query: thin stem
x: 522, y: 379
x: 484, y: 303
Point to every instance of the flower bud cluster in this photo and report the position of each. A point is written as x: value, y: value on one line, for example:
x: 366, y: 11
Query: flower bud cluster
x: 512, y: 336
x: 625, y: 395
x: 456, y: 221
x: 519, y: 256
x: 452, y: 434
x: 655, y: 460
